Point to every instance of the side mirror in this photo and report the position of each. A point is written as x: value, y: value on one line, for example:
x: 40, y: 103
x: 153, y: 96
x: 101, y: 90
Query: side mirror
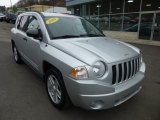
x: 35, y: 33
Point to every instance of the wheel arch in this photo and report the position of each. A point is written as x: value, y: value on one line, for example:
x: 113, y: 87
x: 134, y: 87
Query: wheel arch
x: 13, y: 43
x: 47, y: 65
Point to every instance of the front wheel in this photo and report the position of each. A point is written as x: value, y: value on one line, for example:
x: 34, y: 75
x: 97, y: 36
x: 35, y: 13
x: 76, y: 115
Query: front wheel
x: 16, y: 55
x: 56, y: 89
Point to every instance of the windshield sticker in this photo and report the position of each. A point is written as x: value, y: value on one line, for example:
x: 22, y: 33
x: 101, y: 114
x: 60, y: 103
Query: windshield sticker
x: 52, y: 20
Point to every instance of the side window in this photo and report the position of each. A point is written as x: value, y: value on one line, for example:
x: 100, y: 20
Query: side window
x: 23, y: 24
x: 18, y: 22
x: 33, y: 23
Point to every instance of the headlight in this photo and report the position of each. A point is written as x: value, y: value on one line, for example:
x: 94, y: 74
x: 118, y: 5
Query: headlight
x: 99, y: 69
x: 79, y: 73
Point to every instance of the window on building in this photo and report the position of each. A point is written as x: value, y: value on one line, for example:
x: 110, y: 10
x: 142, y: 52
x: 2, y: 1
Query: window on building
x: 104, y: 6
x: 94, y: 20
x: 116, y: 22
x: 131, y: 22
x: 88, y: 12
x: 78, y: 10
x: 93, y: 8
x: 149, y: 5
x: 117, y: 6
x: 132, y: 5
x: 104, y: 22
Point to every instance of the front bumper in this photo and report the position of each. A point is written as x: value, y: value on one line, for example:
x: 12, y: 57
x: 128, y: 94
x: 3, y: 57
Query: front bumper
x: 92, y: 94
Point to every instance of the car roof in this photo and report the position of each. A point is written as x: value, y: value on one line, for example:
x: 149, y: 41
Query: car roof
x: 51, y: 14
x: 58, y: 14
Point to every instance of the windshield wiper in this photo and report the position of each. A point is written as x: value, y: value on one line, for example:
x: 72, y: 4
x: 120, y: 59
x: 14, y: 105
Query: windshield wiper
x: 91, y: 35
x: 77, y: 36
x: 66, y: 36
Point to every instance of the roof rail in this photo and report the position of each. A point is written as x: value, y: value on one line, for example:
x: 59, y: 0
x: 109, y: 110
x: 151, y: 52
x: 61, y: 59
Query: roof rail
x: 39, y: 13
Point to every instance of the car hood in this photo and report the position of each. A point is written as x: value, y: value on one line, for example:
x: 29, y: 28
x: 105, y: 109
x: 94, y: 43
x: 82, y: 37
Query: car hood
x: 93, y: 49
x: 2, y: 16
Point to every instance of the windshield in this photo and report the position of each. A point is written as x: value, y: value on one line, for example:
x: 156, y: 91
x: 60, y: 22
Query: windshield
x: 69, y: 27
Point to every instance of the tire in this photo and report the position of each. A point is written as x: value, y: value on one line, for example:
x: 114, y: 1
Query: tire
x: 56, y: 89
x: 16, y: 55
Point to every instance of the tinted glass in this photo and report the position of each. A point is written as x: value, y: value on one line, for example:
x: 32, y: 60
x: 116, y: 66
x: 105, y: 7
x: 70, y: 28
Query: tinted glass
x: 18, y: 22
x: 66, y: 27
x: 146, y: 26
x: 116, y: 22
x: 13, y: 16
x: 33, y: 23
x: 87, y: 9
x: 23, y: 23
x: 156, y: 35
x: 77, y: 10
x: 149, y: 5
x: 94, y: 20
x: 104, y: 22
x: 131, y: 22
x: 93, y: 8
x: 104, y: 6
x: 117, y: 6
x: 132, y: 6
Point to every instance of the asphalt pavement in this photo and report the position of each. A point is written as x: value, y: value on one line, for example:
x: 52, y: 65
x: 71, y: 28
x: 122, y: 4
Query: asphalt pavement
x: 23, y: 94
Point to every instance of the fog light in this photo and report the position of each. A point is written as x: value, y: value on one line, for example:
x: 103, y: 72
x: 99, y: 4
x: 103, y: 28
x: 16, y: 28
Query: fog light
x: 97, y: 105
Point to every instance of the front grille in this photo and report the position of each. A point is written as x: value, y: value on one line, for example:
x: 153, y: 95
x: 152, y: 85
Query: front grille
x: 124, y: 71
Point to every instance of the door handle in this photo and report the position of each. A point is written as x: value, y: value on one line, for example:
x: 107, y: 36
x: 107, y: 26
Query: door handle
x: 25, y: 39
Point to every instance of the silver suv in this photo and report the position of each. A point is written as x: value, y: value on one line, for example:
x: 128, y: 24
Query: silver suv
x: 78, y: 63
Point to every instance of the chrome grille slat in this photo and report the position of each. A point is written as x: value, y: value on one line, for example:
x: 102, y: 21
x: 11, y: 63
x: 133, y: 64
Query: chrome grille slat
x: 117, y: 76
x: 132, y: 73
x: 120, y: 73
x: 134, y: 66
x: 138, y: 63
x: 124, y: 71
x: 127, y: 71
x: 114, y: 74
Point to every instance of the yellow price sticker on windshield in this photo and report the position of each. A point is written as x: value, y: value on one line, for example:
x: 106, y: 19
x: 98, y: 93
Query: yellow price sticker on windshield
x: 52, y: 20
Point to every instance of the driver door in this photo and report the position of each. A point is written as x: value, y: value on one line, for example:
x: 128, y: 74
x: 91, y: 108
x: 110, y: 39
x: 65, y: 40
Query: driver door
x: 33, y: 46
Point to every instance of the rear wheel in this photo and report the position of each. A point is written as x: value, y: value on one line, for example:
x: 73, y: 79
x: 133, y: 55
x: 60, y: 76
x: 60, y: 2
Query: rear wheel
x: 16, y: 55
x: 7, y: 21
x: 56, y: 89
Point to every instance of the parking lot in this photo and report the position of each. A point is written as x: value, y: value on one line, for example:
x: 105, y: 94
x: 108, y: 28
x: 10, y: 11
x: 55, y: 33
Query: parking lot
x: 23, y: 94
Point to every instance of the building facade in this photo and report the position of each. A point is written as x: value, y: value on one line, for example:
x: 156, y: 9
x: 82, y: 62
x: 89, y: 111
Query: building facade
x: 24, y: 3
x: 36, y: 5
x: 141, y: 16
